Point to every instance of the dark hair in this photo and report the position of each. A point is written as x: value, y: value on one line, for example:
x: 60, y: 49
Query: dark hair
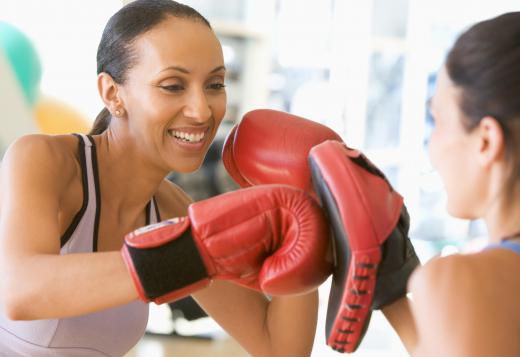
x: 485, y: 63
x: 115, y: 54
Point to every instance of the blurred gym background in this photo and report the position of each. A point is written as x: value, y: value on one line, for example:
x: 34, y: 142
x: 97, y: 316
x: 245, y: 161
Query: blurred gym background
x: 363, y: 67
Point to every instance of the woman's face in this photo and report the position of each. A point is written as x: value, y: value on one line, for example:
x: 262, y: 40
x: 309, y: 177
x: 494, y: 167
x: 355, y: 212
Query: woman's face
x: 174, y: 95
x: 453, y: 151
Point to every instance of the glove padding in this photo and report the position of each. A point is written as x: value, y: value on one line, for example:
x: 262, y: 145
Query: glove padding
x: 373, y: 255
x: 270, y: 238
x: 271, y: 147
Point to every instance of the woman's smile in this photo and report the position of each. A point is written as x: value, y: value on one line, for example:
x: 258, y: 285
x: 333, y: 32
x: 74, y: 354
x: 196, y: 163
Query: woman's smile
x: 192, y: 139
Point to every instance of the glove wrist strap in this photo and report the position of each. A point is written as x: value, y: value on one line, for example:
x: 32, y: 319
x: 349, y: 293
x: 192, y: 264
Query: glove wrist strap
x: 169, y: 271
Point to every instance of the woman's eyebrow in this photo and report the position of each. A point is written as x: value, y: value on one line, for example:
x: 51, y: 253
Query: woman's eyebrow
x: 217, y: 69
x: 186, y: 71
x: 175, y: 68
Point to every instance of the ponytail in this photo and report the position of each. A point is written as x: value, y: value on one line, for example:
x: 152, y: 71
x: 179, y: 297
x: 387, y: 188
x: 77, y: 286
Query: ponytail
x: 101, y: 123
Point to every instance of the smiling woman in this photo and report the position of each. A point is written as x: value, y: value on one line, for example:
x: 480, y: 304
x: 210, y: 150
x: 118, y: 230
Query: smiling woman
x: 71, y: 280
x: 180, y: 76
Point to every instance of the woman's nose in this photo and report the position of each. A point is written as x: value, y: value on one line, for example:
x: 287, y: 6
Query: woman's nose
x: 197, y: 106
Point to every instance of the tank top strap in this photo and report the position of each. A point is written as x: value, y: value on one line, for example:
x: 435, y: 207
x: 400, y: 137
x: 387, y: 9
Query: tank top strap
x: 514, y: 246
x: 86, y: 221
x: 152, y: 212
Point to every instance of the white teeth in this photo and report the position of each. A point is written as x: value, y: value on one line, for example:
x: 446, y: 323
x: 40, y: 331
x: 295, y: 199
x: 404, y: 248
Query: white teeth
x: 192, y: 138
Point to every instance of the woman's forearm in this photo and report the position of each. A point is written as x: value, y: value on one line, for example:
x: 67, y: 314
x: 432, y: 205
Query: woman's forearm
x: 399, y: 315
x: 291, y: 324
x: 53, y: 286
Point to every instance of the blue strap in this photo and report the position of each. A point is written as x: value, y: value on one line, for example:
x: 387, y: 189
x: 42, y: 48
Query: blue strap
x: 514, y: 246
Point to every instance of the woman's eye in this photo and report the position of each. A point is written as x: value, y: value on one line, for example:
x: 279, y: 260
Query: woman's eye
x: 173, y: 87
x: 217, y: 86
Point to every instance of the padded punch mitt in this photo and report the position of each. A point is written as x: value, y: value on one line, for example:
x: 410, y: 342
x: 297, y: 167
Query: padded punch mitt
x: 373, y: 256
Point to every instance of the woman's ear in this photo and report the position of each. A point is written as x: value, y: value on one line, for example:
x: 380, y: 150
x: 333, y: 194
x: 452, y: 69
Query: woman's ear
x: 109, y: 92
x: 491, y: 140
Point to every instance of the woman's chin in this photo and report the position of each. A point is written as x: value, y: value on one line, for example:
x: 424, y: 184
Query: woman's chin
x: 461, y: 212
x: 187, y: 167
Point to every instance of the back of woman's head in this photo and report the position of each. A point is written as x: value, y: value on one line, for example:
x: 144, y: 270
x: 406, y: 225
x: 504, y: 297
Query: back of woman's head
x: 115, y: 55
x: 485, y: 63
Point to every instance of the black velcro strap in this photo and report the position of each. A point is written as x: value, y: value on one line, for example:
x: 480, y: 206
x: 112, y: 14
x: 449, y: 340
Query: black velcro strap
x: 397, y: 265
x: 168, y: 267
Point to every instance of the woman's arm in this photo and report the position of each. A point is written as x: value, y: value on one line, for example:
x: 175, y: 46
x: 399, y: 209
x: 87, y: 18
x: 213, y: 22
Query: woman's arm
x: 35, y: 281
x: 284, y: 326
x: 399, y: 315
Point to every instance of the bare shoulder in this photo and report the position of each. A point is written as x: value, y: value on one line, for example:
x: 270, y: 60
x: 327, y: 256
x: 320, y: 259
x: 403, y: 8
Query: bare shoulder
x: 496, y: 270
x: 447, y: 284
x: 41, y: 141
x: 36, y: 174
x: 172, y: 200
x: 441, y: 274
x: 467, y: 274
x: 470, y: 295
x: 42, y: 156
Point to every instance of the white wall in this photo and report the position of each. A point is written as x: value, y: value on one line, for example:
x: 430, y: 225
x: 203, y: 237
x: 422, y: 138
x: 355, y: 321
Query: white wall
x: 66, y: 34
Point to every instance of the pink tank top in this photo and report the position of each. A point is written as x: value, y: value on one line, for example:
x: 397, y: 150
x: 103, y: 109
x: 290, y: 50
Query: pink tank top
x: 111, y: 332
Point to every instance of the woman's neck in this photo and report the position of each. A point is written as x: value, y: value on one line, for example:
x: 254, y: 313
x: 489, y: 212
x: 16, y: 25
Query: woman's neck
x: 126, y: 179
x: 503, y: 220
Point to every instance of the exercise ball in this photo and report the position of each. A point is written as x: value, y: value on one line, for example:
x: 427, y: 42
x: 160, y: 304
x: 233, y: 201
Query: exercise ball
x: 23, y: 58
x: 56, y: 117
x: 16, y: 116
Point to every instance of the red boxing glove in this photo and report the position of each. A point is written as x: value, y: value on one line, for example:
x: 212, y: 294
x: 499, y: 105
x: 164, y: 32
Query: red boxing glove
x: 271, y: 147
x: 268, y: 238
x: 275, y: 147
